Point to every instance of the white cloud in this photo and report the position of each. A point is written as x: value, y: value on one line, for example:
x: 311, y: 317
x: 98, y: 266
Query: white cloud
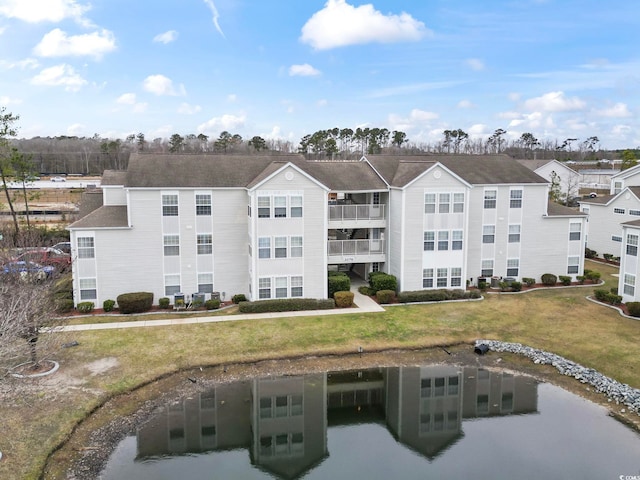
x: 322, y: 102
x: 161, y: 85
x: 4, y: 100
x: 465, y: 104
x: 475, y: 64
x: 60, y: 75
x: 619, y: 110
x: 127, y: 99
x: 339, y: 24
x: 304, y: 70
x: 232, y: 98
x: 166, y: 37
x: 417, y: 119
x: 477, y: 130
x: 554, y: 102
x: 35, y: 11
x: 56, y: 43
x: 226, y: 122
x: 76, y: 130
x: 532, y: 121
x: 187, y: 109
x: 216, y: 16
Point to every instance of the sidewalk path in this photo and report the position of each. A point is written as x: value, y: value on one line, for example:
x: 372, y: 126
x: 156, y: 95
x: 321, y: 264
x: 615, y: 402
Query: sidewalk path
x: 364, y: 305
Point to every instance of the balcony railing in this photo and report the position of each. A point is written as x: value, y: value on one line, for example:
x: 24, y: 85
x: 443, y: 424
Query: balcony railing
x: 356, y: 247
x: 338, y: 213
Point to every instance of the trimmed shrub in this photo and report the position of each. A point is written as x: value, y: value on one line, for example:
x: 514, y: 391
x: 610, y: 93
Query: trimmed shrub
x: 383, y: 281
x: 504, y: 286
x: 588, y: 253
x: 516, y: 286
x: 600, y: 294
x: 108, y: 305
x: 528, y: 281
x: 613, y: 299
x: 368, y: 291
x: 385, y: 296
x: 239, y: 297
x: 482, y: 284
x: 164, y: 303
x: 64, y: 305
x: 338, y: 282
x: 634, y: 309
x: 343, y: 299
x: 592, y: 275
x: 581, y: 279
x: 286, y: 305
x: 212, y: 304
x: 608, y: 256
x: 85, y: 307
x: 614, y: 290
x: 564, y: 279
x: 549, y: 279
x: 436, y: 295
x: 136, y: 302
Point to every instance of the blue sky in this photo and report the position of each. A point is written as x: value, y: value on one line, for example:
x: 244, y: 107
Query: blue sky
x: 285, y: 68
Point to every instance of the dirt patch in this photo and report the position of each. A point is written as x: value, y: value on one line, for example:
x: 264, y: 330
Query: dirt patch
x: 102, y: 365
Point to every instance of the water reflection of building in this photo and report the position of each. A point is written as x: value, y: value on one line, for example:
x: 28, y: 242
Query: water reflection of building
x: 283, y: 422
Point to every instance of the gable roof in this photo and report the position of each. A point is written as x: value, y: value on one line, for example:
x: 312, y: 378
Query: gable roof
x: 607, y: 199
x: 556, y: 164
x: 556, y: 210
x: 107, y: 216
x: 629, y: 172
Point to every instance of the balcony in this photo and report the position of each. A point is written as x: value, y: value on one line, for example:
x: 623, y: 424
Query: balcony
x: 351, y: 216
x: 356, y: 251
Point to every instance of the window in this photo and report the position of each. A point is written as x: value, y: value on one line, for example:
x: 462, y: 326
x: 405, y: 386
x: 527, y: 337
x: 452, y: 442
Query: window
x: 171, y: 284
x: 514, y: 233
x: 444, y: 202
x: 616, y: 238
x: 617, y: 187
x: 86, y: 247
x: 632, y: 245
x: 429, y: 241
x: 88, y: 289
x: 171, y: 245
x: 429, y: 203
x: 282, y: 287
x: 456, y: 277
x: 280, y: 247
x: 629, y: 284
x: 280, y: 207
x: 205, y: 282
x: 203, y: 204
x: 296, y: 286
x: 574, y: 231
x: 170, y: 205
x: 456, y: 240
x: 515, y: 199
x: 487, y: 268
x: 635, y: 213
x: 296, y: 247
x: 265, y: 409
x: 441, y: 280
x: 264, y: 247
x: 264, y: 207
x: 458, y: 202
x: 488, y: 234
x: 513, y: 267
x: 427, y: 278
x: 619, y: 211
x: 205, y: 243
x: 573, y: 265
x: 264, y: 287
x: 296, y: 206
x: 443, y: 240
x: 490, y: 197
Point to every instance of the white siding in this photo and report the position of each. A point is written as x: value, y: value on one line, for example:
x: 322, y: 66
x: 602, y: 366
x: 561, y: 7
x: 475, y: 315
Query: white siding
x: 114, y: 196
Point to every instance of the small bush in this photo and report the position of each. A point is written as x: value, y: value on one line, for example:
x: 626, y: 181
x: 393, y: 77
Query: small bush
x: 212, y: 304
x: 368, y: 291
x: 565, y: 279
x: 286, y: 305
x: 592, y: 275
x: 614, y: 290
x: 549, y: 279
x: 588, y: 253
x: 634, y: 309
x: 528, y: 281
x: 581, y: 279
x: 164, y: 303
x: 136, y: 302
x: 343, y: 299
x: 85, y: 307
x: 108, y: 305
x: 516, y: 286
x: 239, y: 297
x: 383, y: 281
x: 613, y: 299
x: 436, y: 295
x: 608, y: 256
x: 64, y: 305
x: 482, y: 284
x: 385, y: 296
x: 338, y: 282
x: 504, y: 286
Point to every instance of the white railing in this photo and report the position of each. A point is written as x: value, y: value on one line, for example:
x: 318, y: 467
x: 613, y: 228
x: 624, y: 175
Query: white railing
x: 339, y: 213
x: 356, y: 247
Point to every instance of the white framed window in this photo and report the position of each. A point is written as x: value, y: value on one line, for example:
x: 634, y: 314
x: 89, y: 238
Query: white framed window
x: 635, y: 213
x: 264, y: 207
x: 203, y: 204
x: 488, y: 234
x: 629, y: 283
x: 456, y: 277
x: 86, y: 247
x: 171, y: 245
x: 295, y: 202
x: 204, y: 243
x: 617, y: 187
x: 205, y: 282
x: 170, y: 205
x: 442, y: 276
x: 619, y: 211
x: 296, y: 247
x: 429, y: 241
x: 458, y: 203
x: 616, y: 238
x: 429, y: 203
x: 427, y: 278
x: 88, y: 289
x: 487, y: 268
x: 573, y: 265
x: 172, y: 284
x: 296, y: 286
x: 514, y: 233
x: 444, y: 202
x: 632, y: 245
x: 574, y: 231
x: 282, y: 287
x: 264, y: 247
x: 264, y: 287
x: 513, y: 267
x: 280, y: 206
x: 456, y: 240
x: 515, y: 198
x: 443, y: 240
x: 280, y: 247
x: 490, y: 198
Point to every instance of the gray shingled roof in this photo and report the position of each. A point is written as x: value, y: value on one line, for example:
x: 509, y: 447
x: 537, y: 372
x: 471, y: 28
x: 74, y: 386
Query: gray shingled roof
x: 107, y: 216
x: 113, y: 177
x: 557, y: 210
x: 89, y: 201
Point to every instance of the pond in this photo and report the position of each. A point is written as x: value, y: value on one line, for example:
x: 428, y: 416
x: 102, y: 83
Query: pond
x: 436, y: 421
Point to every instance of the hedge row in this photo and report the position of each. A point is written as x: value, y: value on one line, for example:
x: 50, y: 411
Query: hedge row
x: 436, y: 295
x: 338, y: 282
x: 136, y: 302
x: 286, y: 305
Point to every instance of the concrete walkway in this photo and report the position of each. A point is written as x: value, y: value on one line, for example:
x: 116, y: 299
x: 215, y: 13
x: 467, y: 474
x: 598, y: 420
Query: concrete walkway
x: 363, y: 304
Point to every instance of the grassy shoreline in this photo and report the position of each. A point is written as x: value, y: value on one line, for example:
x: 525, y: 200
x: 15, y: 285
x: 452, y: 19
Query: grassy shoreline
x: 107, y: 363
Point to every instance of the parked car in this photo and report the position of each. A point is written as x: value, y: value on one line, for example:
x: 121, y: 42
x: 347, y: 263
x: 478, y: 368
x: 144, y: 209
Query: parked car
x: 46, y: 256
x: 63, y: 247
x: 58, y: 178
x: 28, y: 269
